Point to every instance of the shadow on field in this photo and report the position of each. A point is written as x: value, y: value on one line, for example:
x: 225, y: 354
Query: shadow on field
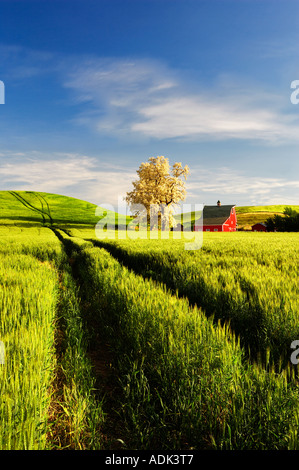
x: 247, y: 320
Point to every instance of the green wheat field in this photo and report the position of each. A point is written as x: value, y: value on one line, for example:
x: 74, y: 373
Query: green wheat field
x: 141, y: 344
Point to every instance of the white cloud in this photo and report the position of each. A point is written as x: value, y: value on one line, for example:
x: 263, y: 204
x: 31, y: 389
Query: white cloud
x: 99, y: 182
x: 72, y: 175
x: 193, y: 116
x: 21, y: 63
x: 232, y: 186
x: 146, y: 98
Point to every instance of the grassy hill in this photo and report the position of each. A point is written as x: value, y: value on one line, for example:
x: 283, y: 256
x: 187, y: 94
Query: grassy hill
x: 30, y: 207
x: 250, y: 215
x: 278, y: 209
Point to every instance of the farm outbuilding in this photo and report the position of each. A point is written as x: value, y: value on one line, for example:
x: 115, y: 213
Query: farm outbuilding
x: 219, y: 218
x: 260, y: 227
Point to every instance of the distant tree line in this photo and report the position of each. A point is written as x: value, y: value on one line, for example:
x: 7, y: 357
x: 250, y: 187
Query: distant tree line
x: 289, y: 222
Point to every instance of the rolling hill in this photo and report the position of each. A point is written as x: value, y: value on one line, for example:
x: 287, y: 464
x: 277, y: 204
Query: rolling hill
x: 250, y: 215
x: 31, y: 208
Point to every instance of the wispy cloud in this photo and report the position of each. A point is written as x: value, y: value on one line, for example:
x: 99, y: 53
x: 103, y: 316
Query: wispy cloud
x: 93, y: 180
x: 115, y: 90
x: 146, y: 98
x: 21, y: 63
x: 232, y: 185
x: 99, y: 182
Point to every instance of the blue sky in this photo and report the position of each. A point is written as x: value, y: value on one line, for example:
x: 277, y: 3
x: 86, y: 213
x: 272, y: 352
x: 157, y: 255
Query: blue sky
x: 94, y: 88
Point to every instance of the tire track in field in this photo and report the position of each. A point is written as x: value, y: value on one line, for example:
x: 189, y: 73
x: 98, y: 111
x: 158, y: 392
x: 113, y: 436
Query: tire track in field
x: 73, y: 386
x: 101, y: 357
x: 25, y: 203
x: 246, y: 319
x: 43, y: 200
x: 251, y: 331
x: 29, y: 206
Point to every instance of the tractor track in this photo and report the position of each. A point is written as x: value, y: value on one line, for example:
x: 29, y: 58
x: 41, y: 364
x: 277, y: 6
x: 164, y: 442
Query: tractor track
x: 106, y: 381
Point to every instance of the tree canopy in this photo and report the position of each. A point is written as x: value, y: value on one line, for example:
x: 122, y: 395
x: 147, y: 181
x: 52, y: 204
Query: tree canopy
x: 289, y: 222
x: 159, y: 188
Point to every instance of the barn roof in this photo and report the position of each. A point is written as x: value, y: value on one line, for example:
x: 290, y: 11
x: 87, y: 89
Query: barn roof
x: 216, y: 215
x: 260, y: 223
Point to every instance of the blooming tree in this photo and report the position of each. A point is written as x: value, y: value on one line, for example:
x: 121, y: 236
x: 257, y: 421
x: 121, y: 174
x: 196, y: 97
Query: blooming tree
x: 159, y: 188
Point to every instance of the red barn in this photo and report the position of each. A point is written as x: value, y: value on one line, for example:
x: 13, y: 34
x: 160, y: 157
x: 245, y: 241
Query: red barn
x: 260, y: 227
x: 219, y: 219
